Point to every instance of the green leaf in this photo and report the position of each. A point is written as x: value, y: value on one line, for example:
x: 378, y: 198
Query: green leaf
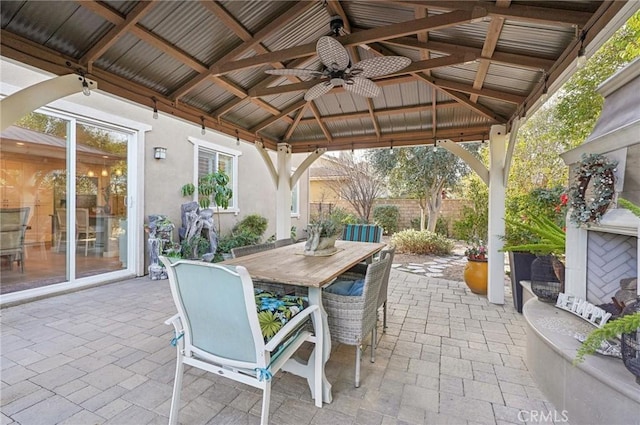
x: 269, y: 324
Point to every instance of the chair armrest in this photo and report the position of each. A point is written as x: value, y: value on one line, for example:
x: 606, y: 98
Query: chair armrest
x: 175, y: 321
x: 289, y: 327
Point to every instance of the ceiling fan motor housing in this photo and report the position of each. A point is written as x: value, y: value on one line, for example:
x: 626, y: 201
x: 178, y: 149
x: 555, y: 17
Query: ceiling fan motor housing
x: 336, y: 24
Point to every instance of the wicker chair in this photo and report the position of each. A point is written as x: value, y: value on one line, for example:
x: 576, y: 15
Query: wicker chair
x: 351, y: 318
x: 361, y: 269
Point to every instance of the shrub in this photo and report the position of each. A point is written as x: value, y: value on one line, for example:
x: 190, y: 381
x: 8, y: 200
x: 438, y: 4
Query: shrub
x: 415, y: 223
x: 474, y: 223
x: 540, y: 202
x: 253, y: 224
x: 442, y: 226
x: 342, y: 216
x: 387, y: 217
x: 417, y: 242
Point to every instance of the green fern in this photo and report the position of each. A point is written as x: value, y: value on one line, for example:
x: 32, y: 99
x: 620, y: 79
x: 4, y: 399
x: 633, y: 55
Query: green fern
x: 552, y: 237
x: 629, y: 206
x: 625, y: 324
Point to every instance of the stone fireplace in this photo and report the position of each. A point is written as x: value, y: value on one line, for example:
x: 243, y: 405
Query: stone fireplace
x: 599, y: 254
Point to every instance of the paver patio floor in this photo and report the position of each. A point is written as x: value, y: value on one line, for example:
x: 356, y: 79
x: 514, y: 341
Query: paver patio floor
x: 102, y: 355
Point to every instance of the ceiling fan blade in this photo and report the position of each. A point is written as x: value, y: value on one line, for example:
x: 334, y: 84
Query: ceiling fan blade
x: 294, y: 71
x: 332, y: 54
x: 362, y: 87
x: 318, y: 90
x: 382, y: 65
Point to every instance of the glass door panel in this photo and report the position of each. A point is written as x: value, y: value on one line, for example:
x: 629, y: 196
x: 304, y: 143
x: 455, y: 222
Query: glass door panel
x: 33, y: 173
x: 101, y: 191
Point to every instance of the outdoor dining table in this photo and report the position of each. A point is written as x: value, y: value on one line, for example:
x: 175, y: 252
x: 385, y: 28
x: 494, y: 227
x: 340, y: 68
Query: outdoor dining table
x: 289, y: 265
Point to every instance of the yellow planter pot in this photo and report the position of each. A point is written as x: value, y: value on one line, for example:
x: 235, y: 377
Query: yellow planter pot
x: 476, y: 276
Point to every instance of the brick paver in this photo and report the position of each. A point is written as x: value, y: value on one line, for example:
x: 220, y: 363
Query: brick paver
x: 102, y: 355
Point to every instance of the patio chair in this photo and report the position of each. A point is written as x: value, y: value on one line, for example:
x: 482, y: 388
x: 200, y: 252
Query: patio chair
x: 251, y: 249
x: 362, y: 233
x: 352, y: 317
x: 13, y: 225
x: 83, y: 228
x: 217, y: 329
x: 358, y: 272
x: 61, y: 227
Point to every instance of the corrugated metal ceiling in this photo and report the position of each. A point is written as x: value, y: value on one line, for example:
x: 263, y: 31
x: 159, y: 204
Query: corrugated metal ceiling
x: 172, y: 43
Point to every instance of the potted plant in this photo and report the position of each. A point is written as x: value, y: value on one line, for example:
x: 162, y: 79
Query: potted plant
x: 323, y: 233
x: 212, y: 185
x: 547, y: 270
x: 548, y: 202
x: 627, y: 325
x: 476, y: 270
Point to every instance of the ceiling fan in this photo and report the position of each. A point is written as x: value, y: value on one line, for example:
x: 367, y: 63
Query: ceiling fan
x: 338, y: 70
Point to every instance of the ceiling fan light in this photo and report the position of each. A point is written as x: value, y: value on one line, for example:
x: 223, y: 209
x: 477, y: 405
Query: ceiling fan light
x: 337, y: 82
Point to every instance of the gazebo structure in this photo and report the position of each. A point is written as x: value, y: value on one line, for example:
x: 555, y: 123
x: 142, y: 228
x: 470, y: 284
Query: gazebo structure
x: 476, y: 68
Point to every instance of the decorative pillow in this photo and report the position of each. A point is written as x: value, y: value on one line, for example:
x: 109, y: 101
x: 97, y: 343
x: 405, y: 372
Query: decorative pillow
x: 346, y: 287
x: 275, y: 310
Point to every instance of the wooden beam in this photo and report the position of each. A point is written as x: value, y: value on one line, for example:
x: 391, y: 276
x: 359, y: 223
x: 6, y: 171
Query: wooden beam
x: 323, y: 127
x: 460, y: 134
x: 98, y: 49
x: 490, y: 42
x: 465, y: 88
x: 285, y: 113
x: 291, y: 13
x: 388, y: 111
x: 525, y: 61
x: 372, y: 115
x: 444, y: 20
x: 145, y: 35
x: 516, y: 12
x: 435, y: 106
x: 227, y: 19
x: 228, y: 106
x: 295, y: 122
x: 463, y: 100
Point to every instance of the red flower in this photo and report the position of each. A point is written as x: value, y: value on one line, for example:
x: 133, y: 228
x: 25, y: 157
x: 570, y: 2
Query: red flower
x: 564, y: 199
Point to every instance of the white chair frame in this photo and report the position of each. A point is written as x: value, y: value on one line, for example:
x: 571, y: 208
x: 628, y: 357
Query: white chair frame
x: 257, y: 354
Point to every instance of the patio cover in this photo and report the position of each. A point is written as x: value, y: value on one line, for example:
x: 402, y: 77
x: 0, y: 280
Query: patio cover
x: 474, y: 63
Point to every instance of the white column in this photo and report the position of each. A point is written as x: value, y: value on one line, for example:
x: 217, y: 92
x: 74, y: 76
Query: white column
x: 576, y: 261
x: 283, y: 192
x: 497, y: 154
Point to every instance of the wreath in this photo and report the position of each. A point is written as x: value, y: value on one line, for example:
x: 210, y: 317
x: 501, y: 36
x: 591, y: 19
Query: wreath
x: 599, y: 170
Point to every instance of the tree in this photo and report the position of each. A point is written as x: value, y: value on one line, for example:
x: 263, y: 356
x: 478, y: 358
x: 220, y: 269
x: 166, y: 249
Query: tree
x: 579, y: 104
x: 569, y: 116
x: 420, y: 173
x: 356, y: 183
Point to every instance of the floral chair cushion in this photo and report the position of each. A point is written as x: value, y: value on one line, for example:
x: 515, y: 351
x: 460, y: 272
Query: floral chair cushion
x: 275, y: 310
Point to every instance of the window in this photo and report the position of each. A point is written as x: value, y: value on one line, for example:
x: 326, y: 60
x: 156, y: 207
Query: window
x: 295, y: 201
x: 212, y: 158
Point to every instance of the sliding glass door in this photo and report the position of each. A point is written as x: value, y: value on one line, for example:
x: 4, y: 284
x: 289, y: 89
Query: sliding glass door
x: 72, y: 177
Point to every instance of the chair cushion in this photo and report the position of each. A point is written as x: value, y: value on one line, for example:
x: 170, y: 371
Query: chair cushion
x: 275, y: 310
x: 348, y: 287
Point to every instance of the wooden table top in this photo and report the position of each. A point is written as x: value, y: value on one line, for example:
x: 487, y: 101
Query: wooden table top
x: 289, y: 265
